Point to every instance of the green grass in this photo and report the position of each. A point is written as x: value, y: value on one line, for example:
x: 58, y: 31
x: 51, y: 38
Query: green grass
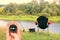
x: 31, y: 36
x: 28, y: 18
x: 20, y: 17
x: 54, y: 19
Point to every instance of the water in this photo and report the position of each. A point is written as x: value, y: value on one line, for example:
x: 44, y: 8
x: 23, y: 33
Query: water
x: 55, y: 27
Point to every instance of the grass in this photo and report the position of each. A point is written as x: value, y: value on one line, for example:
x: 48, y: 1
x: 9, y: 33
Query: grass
x: 28, y: 18
x: 54, y: 19
x: 32, y: 36
x: 20, y: 17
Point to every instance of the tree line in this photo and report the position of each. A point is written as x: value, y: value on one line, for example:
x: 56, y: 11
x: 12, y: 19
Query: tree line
x: 32, y: 8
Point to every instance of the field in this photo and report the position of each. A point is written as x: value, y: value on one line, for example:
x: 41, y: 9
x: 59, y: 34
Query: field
x: 28, y: 18
x: 31, y: 36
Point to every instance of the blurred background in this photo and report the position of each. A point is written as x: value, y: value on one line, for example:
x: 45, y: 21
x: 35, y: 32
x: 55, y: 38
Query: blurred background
x: 25, y: 12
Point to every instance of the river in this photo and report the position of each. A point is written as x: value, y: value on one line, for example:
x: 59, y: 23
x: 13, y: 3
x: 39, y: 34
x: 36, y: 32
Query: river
x: 54, y: 27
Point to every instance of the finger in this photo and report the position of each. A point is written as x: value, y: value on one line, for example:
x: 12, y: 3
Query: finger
x: 19, y: 34
x: 7, y: 32
x: 13, y: 34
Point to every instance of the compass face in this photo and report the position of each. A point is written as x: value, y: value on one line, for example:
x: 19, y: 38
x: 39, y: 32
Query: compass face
x: 13, y: 28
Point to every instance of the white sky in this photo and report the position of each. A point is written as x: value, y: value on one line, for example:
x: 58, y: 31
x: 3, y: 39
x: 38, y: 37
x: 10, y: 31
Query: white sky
x: 14, y: 1
x: 17, y: 1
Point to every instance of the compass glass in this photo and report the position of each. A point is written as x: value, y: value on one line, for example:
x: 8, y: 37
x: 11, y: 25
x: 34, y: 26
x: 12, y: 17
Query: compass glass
x: 13, y: 28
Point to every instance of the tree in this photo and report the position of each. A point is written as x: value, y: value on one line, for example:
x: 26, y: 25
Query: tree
x: 11, y: 8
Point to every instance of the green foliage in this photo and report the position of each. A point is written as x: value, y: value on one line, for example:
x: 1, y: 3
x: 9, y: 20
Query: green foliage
x: 32, y: 8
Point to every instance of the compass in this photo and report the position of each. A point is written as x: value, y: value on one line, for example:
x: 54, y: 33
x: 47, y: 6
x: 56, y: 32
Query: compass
x: 13, y: 28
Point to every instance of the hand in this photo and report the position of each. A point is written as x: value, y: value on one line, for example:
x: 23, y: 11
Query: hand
x: 13, y: 36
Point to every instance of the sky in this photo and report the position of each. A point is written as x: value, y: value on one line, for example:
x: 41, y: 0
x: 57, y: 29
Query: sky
x: 14, y: 1
x: 17, y: 1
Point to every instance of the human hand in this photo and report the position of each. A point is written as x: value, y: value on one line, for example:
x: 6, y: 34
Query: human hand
x: 14, y: 36
x: 10, y: 35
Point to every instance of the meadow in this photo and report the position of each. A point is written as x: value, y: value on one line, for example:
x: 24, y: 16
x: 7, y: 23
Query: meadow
x: 31, y: 35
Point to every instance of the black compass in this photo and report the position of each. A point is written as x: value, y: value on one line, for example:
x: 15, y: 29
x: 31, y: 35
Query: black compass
x: 13, y: 28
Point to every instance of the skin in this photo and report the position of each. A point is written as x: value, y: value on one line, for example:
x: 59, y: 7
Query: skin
x: 10, y: 35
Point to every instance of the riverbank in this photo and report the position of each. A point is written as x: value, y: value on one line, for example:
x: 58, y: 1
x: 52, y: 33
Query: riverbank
x: 31, y: 36
x: 28, y: 18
